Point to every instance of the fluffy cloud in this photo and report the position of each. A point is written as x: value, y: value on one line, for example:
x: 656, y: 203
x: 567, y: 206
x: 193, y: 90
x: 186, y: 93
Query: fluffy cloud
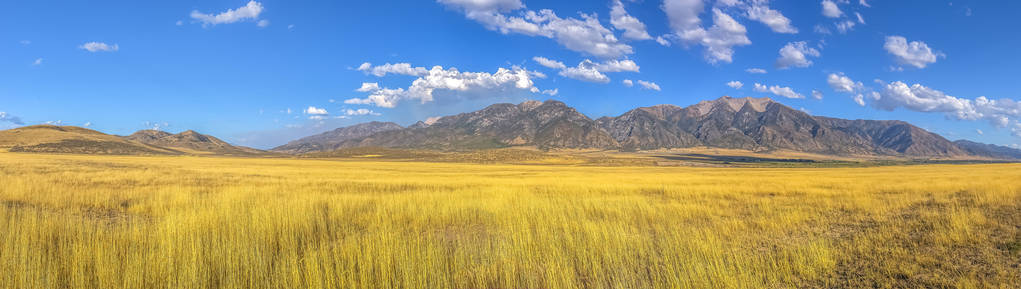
x: 583, y: 34
x: 649, y: 85
x: 756, y: 71
x: 551, y: 92
x: 250, y: 11
x: 37, y: 62
x: 99, y: 47
x: 842, y: 83
x: 719, y: 40
x: 917, y: 97
x: 316, y: 111
x: 421, y: 89
x: 735, y: 84
x: 396, y: 68
x: 588, y: 70
x: 778, y: 90
x: 772, y: 18
x: 914, y: 53
x: 6, y: 117
x: 549, y: 63
x: 632, y: 27
x: 628, y: 83
x: 795, y: 54
x: 368, y: 87
x: 830, y: 9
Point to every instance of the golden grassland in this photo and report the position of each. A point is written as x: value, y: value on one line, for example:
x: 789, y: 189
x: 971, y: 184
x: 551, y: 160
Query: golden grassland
x: 69, y: 221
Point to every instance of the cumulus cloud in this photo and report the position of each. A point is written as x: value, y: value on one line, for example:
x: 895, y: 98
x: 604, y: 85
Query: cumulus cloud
x: 632, y: 27
x: 649, y: 85
x: 735, y: 84
x: 551, y: 92
x: 99, y: 47
x: 584, y: 34
x: 662, y: 41
x: 368, y: 87
x: 250, y: 11
x: 6, y: 117
x: 778, y: 90
x: 795, y: 54
x: 841, y: 83
x: 316, y: 111
x: 756, y: 71
x: 719, y: 40
x: 549, y: 63
x: 395, y: 68
x: 628, y: 83
x: 37, y: 62
x: 772, y: 18
x: 830, y: 9
x: 816, y: 94
x: 914, y: 53
x: 588, y: 70
x: 917, y: 97
x: 451, y: 79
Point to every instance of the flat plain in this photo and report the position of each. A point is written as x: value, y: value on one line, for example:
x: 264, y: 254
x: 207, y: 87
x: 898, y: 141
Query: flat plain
x: 77, y: 221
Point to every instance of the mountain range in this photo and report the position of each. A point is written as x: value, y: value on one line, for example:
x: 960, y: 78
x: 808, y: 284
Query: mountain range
x: 757, y: 124
x: 753, y: 124
x: 70, y: 139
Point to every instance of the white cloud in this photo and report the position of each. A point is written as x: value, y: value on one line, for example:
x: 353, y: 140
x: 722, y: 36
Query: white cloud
x: 816, y: 94
x: 719, y: 40
x: 845, y: 26
x: 250, y: 11
x: 316, y: 111
x: 778, y: 90
x: 583, y: 34
x: 917, y: 97
x: 25, y: 42
x: 588, y: 70
x: 841, y: 83
x: 772, y: 18
x: 368, y: 87
x: 979, y: 132
x: 549, y: 63
x: 735, y: 84
x: 99, y: 47
x: 860, y: 18
x: 628, y: 83
x: 551, y: 92
x: 395, y: 68
x: 179, y: 23
x: 585, y: 71
x: 756, y: 71
x: 662, y: 41
x: 502, y: 81
x: 915, y: 53
x: 87, y: 124
x: 863, y: 3
x: 649, y: 85
x: 632, y: 27
x: 6, y: 117
x: 37, y: 62
x: 859, y: 99
x: 262, y: 23
x: 795, y: 54
x: 830, y: 9
x: 360, y: 111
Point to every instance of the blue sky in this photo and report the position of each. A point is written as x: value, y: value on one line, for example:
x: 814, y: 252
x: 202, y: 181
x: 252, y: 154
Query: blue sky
x: 261, y: 73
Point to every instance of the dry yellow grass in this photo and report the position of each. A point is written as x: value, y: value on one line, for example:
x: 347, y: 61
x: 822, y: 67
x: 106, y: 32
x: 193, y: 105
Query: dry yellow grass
x: 192, y: 222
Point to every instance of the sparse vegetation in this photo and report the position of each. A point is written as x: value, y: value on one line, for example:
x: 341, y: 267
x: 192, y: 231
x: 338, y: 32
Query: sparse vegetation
x: 74, y: 221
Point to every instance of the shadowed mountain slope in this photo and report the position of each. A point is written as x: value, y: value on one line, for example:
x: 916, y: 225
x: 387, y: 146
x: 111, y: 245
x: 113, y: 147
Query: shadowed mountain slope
x: 331, y: 140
